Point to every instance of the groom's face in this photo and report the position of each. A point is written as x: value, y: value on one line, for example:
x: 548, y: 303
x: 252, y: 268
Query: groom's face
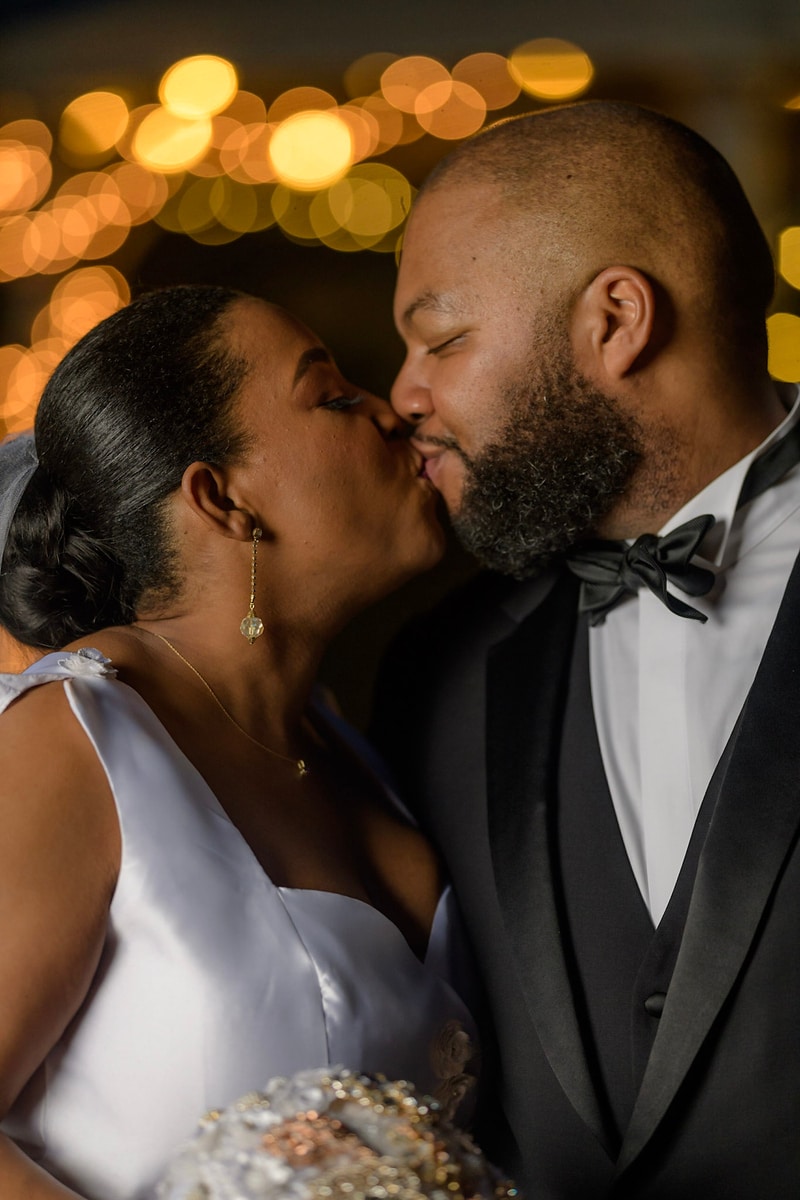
x: 526, y: 452
x: 468, y: 321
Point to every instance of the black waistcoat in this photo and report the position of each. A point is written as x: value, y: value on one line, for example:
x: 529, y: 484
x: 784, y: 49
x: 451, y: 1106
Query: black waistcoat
x: 620, y: 965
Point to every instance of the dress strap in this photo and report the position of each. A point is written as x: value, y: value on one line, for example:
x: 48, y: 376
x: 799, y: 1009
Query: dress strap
x: 57, y: 667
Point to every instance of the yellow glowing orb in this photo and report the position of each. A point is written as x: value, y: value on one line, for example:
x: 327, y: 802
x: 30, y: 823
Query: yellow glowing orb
x: 551, y: 69
x: 783, y: 332
x: 165, y: 142
x: 198, y: 86
x: 311, y: 150
x: 92, y: 124
x: 789, y: 255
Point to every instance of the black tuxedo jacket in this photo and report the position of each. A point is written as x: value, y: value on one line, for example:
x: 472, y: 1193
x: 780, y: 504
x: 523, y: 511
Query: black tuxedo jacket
x: 468, y: 714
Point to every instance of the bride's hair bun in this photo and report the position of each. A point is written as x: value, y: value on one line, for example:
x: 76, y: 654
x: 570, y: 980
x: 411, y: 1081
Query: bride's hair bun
x: 59, y: 580
x: 144, y: 394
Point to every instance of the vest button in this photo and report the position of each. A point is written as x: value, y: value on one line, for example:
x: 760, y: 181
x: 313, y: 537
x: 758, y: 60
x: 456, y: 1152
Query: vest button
x: 654, y: 1005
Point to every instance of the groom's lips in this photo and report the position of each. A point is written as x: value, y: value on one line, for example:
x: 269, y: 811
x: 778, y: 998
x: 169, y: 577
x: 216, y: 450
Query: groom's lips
x: 431, y: 454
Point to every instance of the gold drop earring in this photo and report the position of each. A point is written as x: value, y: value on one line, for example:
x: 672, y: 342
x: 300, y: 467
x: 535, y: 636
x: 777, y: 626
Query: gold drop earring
x: 252, y: 626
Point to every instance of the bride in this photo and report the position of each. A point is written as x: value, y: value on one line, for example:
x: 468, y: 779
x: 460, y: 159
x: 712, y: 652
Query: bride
x: 203, y: 884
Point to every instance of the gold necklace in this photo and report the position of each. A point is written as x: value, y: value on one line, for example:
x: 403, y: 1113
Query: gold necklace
x: 302, y: 769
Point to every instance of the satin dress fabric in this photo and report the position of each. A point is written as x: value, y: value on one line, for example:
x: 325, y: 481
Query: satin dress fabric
x: 212, y: 979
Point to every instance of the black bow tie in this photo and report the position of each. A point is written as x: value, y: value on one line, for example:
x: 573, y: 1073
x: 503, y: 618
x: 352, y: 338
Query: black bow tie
x: 611, y: 570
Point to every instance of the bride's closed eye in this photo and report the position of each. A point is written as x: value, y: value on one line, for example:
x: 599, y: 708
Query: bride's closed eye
x: 340, y: 403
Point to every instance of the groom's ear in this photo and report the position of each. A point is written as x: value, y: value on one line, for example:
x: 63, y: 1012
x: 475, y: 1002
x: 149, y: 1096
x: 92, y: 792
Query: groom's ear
x: 613, y: 323
x: 204, y: 490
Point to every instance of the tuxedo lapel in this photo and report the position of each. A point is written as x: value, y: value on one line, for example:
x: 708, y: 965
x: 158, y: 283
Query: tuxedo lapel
x: 526, y: 681
x: 752, y: 828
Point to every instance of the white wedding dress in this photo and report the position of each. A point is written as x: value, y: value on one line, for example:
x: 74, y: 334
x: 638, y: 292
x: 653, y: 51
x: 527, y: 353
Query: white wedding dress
x: 212, y: 979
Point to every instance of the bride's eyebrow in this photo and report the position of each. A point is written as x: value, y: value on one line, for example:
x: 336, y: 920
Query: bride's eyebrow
x: 307, y: 359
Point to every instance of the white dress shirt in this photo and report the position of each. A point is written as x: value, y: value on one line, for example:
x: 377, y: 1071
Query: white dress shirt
x: 667, y: 690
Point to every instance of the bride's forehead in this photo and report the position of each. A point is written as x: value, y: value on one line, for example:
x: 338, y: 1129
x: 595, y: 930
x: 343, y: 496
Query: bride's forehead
x: 257, y: 327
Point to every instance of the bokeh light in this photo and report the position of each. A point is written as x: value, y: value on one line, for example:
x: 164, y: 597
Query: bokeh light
x: 143, y: 192
x: 25, y: 168
x: 247, y: 108
x: 551, y: 69
x: 450, y: 109
x: 198, y: 87
x: 789, y: 255
x: 298, y: 100
x: 244, y: 155
x: 311, y: 149
x: 165, y: 142
x: 403, y: 80
x: 22, y: 378
x: 91, y: 126
x: 30, y: 133
x: 292, y: 212
x: 783, y: 333
x: 490, y: 76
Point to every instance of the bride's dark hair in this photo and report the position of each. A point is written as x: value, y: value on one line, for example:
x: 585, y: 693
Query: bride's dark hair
x: 144, y: 394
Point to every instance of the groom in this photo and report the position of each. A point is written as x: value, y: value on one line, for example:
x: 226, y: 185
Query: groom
x: 602, y: 732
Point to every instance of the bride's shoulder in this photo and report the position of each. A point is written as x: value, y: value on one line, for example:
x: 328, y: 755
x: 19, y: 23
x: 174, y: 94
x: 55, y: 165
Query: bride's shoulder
x: 44, y: 750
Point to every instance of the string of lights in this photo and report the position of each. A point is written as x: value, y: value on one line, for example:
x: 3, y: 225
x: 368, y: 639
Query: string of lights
x: 214, y: 162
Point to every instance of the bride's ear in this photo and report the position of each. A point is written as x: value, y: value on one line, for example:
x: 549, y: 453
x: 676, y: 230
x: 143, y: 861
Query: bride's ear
x: 204, y: 489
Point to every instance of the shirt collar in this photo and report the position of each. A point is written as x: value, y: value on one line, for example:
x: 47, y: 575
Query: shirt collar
x: 721, y: 496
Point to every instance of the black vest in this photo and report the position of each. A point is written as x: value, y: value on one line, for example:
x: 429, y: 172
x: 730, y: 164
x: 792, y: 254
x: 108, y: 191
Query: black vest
x: 620, y: 965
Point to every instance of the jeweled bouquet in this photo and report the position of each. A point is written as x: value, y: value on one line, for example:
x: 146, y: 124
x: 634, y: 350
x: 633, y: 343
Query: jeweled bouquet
x: 331, y: 1134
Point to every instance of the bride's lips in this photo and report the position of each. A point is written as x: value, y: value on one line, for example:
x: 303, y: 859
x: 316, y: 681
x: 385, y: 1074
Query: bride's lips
x: 431, y: 459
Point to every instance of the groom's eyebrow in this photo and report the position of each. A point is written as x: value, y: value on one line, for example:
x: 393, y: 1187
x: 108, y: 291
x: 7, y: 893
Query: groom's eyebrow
x: 429, y: 302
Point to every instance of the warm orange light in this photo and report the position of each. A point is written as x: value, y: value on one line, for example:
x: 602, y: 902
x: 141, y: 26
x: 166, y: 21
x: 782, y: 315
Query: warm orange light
x: 165, y: 142
x: 389, y: 120
x: 247, y: 109
x: 25, y: 382
x: 83, y: 298
x: 25, y: 176
x: 450, y: 110
x: 311, y: 149
x: 198, y: 87
x: 244, y: 155
x: 551, y: 69
x: 12, y: 240
x: 143, y: 191
x: 92, y: 124
x: 489, y: 75
x: 403, y: 81
x: 364, y: 130
x: 298, y: 100
x: 29, y: 133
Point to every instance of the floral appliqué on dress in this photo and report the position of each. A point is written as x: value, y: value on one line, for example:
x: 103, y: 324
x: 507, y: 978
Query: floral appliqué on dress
x: 87, y: 661
x: 451, y: 1054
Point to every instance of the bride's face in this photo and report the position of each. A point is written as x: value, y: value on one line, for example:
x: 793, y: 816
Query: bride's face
x: 334, y: 480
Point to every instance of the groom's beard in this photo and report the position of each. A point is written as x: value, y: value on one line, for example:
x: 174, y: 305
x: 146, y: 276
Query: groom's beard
x: 567, y: 454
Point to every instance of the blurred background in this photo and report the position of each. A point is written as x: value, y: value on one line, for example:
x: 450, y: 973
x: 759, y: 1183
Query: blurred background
x: 276, y: 145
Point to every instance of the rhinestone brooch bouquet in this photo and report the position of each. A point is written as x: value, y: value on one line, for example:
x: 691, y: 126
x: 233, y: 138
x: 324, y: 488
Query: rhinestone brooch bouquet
x: 331, y: 1134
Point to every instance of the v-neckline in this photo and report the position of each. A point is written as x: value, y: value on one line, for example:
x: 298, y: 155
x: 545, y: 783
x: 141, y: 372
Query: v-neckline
x: 213, y: 803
